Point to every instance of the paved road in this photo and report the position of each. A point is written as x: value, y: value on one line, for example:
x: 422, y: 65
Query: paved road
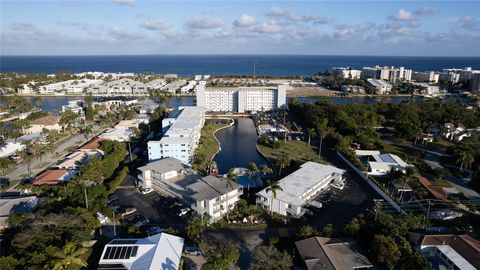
x: 50, y: 158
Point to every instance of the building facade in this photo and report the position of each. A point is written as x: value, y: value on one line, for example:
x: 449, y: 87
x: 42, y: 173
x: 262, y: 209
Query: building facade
x: 381, y: 86
x: 241, y: 99
x: 387, y: 73
x: 208, y: 195
x: 181, y: 136
x: 346, y: 73
x: 300, y: 188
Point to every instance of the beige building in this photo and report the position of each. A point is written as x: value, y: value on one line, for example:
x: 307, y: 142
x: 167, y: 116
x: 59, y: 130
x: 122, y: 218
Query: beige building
x: 50, y: 122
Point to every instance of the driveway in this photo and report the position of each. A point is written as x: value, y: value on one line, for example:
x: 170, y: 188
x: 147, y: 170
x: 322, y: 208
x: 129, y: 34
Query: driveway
x: 154, y: 206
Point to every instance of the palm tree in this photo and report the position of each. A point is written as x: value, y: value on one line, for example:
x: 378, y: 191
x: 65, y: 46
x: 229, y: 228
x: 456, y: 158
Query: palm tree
x: 69, y: 257
x: 273, y: 187
x: 195, y: 228
x: 264, y: 169
x: 310, y: 132
x: 306, y: 232
x: 464, y: 155
x: 229, y: 183
x: 86, y: 130
x: 282, y: 162
x: 321, y: 129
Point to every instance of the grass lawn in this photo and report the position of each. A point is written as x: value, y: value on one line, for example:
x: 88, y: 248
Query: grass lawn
x: 439, y: 182
x: 208, y: 145
x: 298, y: 151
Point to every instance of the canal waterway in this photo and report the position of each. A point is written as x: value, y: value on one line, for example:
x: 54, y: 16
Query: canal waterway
x: 238, y: 146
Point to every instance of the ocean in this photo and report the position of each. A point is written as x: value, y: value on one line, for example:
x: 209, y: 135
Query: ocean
x: 188, y: 65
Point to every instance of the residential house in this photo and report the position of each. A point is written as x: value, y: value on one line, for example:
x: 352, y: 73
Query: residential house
x: 159, y: 251
x: 381, y: 164
x: 54, y: 177
x: 16, y: 205
x: 79, y: 157
x: 300, y: 188
x: 381, y: 86
x: 11, y: 148
x: 449, y: 251
x: 50, y: 122
x: 332, y: 254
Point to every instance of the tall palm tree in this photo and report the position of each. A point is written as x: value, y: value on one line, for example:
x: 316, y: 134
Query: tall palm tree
x: 310, y: 132
x: 229, y: 183
x: 282, y: 162
x: 264, y: 169
x: 195, y: 228
x: 69, y: 257
x: 273, y: 187
x: 464, y: 155
x: 86, y: 131
x: 321, y: 129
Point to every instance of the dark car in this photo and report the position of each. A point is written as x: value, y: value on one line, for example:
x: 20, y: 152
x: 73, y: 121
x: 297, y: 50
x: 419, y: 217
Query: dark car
x: 136, y: 220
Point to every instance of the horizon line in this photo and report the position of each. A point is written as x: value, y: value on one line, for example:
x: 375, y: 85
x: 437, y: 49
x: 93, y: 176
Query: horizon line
x: 333, y: 55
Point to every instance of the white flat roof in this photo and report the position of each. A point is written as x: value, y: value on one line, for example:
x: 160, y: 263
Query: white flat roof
x: 175, y: 140
x: 390, y: 159
x: 366, y: 152
x: 302, y: 180
x: 456, y: 258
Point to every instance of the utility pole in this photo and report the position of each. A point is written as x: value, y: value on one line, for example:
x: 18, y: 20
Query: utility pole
x: 377, y: 207
x: 86, y: 197
x: 428, y: 213
x: 130, y: 151
x: 114, y: 228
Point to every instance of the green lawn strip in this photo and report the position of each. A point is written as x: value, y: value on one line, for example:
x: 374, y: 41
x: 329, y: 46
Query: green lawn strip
x: 207, y: 147
x: 297, y: 151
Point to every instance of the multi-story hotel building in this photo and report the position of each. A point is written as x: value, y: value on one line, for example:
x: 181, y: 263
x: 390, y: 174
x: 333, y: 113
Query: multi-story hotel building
x: 241, y: 99
x: 390, y: 74
x: 181, y: 136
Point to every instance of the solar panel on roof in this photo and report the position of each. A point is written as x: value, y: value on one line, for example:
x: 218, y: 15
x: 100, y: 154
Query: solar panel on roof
x: 134, y: 251
x: 120, y: 252
x: 123, y: 242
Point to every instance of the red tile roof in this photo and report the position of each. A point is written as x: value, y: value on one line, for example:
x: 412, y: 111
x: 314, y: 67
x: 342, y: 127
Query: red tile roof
x: 49, y: 177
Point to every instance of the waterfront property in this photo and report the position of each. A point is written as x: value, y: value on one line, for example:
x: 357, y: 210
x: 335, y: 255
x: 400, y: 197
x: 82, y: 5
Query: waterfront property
x: 332, y: 254
x: 69, y: 87
x: 241, y: 99
x: 208, y: 195
x: 381, y: 164
x: 448, y: 251
x: 381, y: 86
x: 50, y: 122
x: 159, y: 251
x: 300, y: 188
x: 387, y: 73
x: 181, y: 136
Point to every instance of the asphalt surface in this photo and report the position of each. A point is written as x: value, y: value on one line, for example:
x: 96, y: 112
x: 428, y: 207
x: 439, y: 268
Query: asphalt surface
x: 155, y: 207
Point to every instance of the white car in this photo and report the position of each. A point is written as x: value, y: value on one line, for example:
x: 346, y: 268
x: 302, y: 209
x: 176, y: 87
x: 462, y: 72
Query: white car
x: 183, y: 212
x: 129, y: 211
x: 146, y: 190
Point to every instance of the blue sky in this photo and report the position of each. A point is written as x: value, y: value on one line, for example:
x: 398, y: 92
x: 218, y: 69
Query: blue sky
x: 399, y: 28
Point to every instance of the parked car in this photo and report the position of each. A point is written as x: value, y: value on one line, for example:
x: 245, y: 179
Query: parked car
x: 136, y: 219
x: 129, y: 211
x: 112, y: 197
x: 183, y: 212
x: 195, y: 251
x: 145, y: 190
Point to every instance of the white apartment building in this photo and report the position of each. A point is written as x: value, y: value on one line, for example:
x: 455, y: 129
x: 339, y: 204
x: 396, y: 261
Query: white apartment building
x: 159, y: 251
x: 464, y: 73
x: 241, y: 99
x: 208, y: 195
x: 449, y: 77
x: 181, y: 136
x: 428, y: 76
x: 428, y: 89
x: 387, y: 73
x: 381, y: 86
x: 346, y: 73
x: 126, y: 87
x: 69, y: 87
x: 300, y: 188
x: 475, y: 82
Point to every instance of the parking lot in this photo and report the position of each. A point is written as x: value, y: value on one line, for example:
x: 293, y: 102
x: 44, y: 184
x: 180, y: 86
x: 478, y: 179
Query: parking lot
x: 160, y: 211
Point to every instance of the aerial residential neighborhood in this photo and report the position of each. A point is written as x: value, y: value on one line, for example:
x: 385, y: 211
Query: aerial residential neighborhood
x: 225, y: 135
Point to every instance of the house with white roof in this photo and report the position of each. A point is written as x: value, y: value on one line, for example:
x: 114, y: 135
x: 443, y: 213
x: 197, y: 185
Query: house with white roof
x: 381, y: 164
x: 160, y: 251
x: 16, y: 205
x: 10, y: 149
x: 208, y: 195
x: 300, y: 188
x: 382, y: 87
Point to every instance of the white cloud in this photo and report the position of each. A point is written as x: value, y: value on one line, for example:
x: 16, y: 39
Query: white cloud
x: 469, y: 23
x: 286, y: 14
x: 244, y: 21
x: 203, y: 23
x: 269, y: 27
x: 125, y: 2
x: 155, y: 25
x: 402, y: 15
x: 121, y: 34
x: 425, y: 11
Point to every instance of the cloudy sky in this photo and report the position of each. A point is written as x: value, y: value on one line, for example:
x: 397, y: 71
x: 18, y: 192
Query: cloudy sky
x: 403, y: 28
